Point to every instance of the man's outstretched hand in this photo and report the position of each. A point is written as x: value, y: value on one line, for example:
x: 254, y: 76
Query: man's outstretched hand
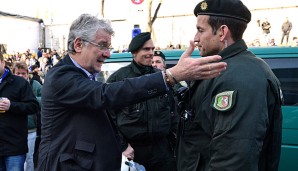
x: 188, y: 68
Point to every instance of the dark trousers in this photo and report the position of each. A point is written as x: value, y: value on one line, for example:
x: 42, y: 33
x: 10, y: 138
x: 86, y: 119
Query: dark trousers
x: 283, y: 36
x: 35, y: 154
x: 158, y: 156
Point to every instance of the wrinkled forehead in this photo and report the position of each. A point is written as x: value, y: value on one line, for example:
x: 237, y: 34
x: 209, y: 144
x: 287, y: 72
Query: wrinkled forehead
x: 103, y: 37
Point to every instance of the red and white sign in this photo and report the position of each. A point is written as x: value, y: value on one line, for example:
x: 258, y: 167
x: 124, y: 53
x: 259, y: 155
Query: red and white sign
x: 137, y: 2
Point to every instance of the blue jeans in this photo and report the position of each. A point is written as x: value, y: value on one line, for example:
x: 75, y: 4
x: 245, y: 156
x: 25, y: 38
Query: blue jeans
x: 12, y: 163
x: 29, y: 157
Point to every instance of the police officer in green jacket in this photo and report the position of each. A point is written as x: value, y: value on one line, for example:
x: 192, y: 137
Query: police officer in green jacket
x: 234, y: 120
x: 146, y: 127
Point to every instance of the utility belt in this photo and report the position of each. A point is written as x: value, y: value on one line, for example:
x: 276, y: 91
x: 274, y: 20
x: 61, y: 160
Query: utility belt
x: 147, y: 141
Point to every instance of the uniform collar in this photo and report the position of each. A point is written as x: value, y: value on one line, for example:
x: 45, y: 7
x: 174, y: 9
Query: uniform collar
x: 143, y: 69
x: 233, y: 49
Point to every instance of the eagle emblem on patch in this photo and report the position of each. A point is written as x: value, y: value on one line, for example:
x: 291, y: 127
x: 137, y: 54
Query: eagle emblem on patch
x: 224, y: 101
x: 204, y: 6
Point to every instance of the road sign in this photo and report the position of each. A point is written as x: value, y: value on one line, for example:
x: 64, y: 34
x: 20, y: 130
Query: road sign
x: 137, y: 2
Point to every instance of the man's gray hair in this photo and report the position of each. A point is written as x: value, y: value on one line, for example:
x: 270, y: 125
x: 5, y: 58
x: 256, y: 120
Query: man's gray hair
x: 86, y: 27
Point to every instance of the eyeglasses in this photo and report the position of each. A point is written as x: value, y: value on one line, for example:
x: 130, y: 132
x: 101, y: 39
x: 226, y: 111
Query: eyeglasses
x: 100, y: 46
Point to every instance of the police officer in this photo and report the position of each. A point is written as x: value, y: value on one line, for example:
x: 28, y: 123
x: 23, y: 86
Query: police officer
x: 159, y: 60
x: 147, y: 127
x: 235, y: 119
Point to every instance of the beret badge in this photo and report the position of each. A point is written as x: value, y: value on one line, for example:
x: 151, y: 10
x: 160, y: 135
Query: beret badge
x: 204, y: 6
x: 158, y: 53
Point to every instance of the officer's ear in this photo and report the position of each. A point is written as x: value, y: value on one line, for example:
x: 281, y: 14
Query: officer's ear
x: 134, y: 54
x: 223, y: 32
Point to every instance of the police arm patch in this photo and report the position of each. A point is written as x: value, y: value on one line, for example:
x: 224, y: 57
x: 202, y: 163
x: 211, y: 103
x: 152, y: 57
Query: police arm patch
x: 224, y: 101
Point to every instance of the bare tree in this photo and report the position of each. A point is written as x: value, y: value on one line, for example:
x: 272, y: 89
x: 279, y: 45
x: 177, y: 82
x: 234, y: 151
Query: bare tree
x: 102, y: 8
x: 152, y: 19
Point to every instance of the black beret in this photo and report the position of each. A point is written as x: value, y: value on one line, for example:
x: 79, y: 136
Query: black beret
x: 138, y: 41
x: 159, y: 53
x: 224, y: 8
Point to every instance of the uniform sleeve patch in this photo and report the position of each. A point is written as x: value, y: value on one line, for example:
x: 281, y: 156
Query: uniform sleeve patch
x: 224, y: 101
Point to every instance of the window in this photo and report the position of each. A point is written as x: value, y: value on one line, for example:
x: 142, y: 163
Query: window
x: 108, y: 69
x: 286, y: 70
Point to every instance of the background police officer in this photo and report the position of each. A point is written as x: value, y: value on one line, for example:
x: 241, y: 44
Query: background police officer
x: 146, y: 126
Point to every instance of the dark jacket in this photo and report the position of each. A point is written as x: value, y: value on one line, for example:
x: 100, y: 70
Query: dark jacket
x: 13, y: 123
x: 147, y: 121
x: 286, y: 27
x: 77, y: 133
x: 237, y: 118
x: 36, y: 77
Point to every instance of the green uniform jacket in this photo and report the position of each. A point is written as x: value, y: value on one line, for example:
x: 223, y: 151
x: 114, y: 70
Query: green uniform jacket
x: 237, y: 118
x: 146, y: 121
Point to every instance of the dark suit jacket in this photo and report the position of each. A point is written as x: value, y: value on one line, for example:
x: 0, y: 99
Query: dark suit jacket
x: 77, y: 133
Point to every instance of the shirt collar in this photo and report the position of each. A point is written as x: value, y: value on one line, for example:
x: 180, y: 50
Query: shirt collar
x: 86, y: 72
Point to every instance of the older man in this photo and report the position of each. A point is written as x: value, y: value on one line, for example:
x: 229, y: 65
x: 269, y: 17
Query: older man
x: 77, y: 133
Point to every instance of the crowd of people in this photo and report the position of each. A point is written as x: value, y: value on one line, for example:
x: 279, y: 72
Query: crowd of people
x: 38, y: 62
x: 268, y: 39
x: 144, y: 112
